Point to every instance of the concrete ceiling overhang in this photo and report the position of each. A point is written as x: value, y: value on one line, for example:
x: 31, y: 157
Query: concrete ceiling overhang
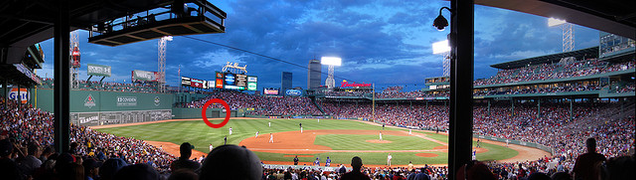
x: 612, y: 16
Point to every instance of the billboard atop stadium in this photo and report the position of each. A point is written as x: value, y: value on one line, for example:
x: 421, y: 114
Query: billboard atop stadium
x: 98, y: 70
x: 230, y: 80
x: 139, y: 75
x: 270, y: 91
x: 185, y: 81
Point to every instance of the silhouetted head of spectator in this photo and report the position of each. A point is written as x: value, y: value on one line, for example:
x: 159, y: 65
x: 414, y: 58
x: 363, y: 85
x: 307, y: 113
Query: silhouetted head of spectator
x: 185, y: 150
x: 137, y: 172
x: 539, y: 176
x: 183, y: 174
x: 91, y: 167
x: 63, y: 161
x: 33, y: 150
x: 475, y: 170
x: 110, y: 167
x: 590, y: 143
x: 73, y: 148
x: 48, y: 151
x: 72, y: 171
x: 231, y: 162
x: 356, y: 163
x: 561, y: 176
x: 6, y: 148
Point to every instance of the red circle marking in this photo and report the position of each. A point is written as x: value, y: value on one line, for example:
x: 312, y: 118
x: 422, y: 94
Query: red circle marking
x: 227, y: 113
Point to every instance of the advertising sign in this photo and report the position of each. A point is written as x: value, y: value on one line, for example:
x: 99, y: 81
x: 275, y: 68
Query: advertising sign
x: 139, y: 75
x: 197, y: 83
x: 126, y: 100
x: 252, y: 83
x: 251, y: 86
x: 98, y: 70
x: 230, y: 79
x: 75, y: 57
x: 347, y: 84
x: 23, y: 95
x: 185, y: 81
x: 219, y: 83
x: 241, y: 80
x: 270, y: 91
x: 293, y: 92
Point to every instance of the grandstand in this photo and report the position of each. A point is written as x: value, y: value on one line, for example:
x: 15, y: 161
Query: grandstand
x: 540, y: 102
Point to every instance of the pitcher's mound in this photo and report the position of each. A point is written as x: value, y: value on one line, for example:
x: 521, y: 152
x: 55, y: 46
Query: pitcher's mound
x: 426, y: 155
x: 378, y: 141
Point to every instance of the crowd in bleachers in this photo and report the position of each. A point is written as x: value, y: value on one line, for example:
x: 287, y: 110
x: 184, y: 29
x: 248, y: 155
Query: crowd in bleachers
x: 140, y: 87
x: 392, y: 89
x: 389, y: 173
x: 30, y: 132
x: 629, y: 87
x: 554, y: 71
x: 263, y: 105
x: 402, y: 115
x: 572, y: 87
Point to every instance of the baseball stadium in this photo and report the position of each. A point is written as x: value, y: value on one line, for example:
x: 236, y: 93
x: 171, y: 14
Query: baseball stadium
x: 537, y: 114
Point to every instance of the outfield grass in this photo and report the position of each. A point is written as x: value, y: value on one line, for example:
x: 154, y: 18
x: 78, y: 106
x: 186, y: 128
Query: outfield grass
x: 200, y: 135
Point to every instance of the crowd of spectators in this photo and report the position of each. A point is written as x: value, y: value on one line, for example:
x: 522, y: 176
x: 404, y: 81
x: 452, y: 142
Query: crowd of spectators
x: 392, y: 89
x: 629, y: 87
x: 401, y: 115
x: 30, y: 133
x: 263, y: 105
x: 388, y: 173
x: 140, y: 87
x: 571, y: 87
x: 554, y: 71
x: 555, y: 128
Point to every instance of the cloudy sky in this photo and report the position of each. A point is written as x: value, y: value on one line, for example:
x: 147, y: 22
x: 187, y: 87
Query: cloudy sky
x: 386, y: 42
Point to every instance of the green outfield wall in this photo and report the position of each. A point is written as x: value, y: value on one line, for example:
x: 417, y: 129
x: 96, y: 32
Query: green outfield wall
x: 528, y: 144
x: 109, y: 107
x: 195, y: 113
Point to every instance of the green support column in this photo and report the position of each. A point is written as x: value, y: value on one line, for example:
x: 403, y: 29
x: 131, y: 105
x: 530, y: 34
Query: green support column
x: 538, y: 108
x: 488, y: 106
x: 571, y: 111
x: 512, y: 102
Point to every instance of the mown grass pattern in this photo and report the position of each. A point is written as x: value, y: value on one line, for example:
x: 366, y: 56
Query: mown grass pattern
x: 200, y: 135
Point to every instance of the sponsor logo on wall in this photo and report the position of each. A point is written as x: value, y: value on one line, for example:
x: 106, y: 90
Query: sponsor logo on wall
x: 23, y: 94
x: 87, y: 118
x: 126, y: 100
x: 89, y: 101
x: 293, y: 92
x: 157, y: 101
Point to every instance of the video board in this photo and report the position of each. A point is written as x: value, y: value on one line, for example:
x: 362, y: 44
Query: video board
x: 229, y: 80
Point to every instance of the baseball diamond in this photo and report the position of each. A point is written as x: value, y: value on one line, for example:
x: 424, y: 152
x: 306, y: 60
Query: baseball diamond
x: 338, y: 139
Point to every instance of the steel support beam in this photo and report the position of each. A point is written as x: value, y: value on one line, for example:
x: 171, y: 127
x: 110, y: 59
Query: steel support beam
x: 62, y: 78
x: 461, y: 81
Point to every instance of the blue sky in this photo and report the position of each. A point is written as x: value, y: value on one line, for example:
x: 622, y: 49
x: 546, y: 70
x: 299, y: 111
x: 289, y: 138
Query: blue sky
x: 386, y: 42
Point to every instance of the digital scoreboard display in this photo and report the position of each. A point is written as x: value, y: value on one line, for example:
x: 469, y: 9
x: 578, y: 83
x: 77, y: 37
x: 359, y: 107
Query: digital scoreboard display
x: 229, y: 80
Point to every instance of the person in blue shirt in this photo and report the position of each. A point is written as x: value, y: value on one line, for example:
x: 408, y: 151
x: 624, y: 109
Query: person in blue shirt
x: 328, y: 162
x: 317, y: 162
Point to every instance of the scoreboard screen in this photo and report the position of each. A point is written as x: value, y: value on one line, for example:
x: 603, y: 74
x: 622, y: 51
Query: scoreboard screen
x: 229, y: 80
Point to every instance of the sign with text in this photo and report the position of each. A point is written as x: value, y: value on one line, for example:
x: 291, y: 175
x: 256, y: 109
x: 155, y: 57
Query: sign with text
x: 98, y: 70
x: 139, y: 75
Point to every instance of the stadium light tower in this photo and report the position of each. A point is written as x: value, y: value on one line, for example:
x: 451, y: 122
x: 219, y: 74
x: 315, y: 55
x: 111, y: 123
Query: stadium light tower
x: 568, y: 33
x: 331, y: 62
x: 443, y: 48
x: 162, y: 62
